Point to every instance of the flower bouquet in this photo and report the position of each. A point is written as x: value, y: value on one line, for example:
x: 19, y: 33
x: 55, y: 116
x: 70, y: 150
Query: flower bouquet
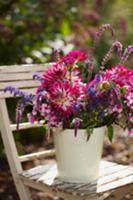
x: 71, y: 97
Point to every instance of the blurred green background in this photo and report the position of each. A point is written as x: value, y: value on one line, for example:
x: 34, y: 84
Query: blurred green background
x: 30, y: 30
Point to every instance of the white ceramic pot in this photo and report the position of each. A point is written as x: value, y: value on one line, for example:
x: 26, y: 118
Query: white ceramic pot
x: 78, y: 159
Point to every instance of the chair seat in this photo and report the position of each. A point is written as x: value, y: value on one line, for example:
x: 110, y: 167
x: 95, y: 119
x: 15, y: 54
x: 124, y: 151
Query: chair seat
x: 112, y: 176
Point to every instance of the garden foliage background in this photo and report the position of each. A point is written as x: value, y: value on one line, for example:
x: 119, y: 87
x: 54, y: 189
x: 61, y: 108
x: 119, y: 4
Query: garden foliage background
x: 30, y: 30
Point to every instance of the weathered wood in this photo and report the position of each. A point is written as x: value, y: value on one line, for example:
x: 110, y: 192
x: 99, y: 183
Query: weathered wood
x: 26, y: 125
x: 17, y: 76
x: 20, y: 84
x: 55, y: 192
x: 104, y: 164
x: 118, y: 193
x: 113, y: 169
x: 123, y: 172
x: 49, y: 179
x: 24, y: 68
x: 28, y: 91
x: 20, y: 77
x: 36, y: 155
x: 11, y: 151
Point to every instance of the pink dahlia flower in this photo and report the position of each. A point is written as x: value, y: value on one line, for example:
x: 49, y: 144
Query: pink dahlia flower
x: 56, y: 73
x: 73, y: 57
x: 64, y: 96
x: 59, y: 73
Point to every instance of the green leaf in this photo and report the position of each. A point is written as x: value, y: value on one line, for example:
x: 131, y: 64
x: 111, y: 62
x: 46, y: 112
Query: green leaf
x: 110, y: 132
x: 89, y: 131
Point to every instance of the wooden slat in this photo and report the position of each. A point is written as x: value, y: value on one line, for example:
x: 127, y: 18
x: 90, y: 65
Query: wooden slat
x: 26, y: 125
x: 115, y: 176
x: 11, y: 151
x: 118, y: 193
x: 24, y: 68
x: 27, y: 91
x: 55, y: 192
x: 36, y: 155
x: 20, y: 84
x: 112, y: 169
x: 17, y: 76
x: 49, y: 179
x: 105, y: 164
x: 116, y: 184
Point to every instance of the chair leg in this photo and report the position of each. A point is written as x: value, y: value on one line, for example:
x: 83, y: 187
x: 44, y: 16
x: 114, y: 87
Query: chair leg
x: 23, y: 191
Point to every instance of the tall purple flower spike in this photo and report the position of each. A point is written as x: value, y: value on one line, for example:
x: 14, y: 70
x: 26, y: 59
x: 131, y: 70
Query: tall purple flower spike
x: 21, y: 107
x: 126, y: 53
x: 26, y: 99
x: 99, y: 34
x: 116, y: 45
x: 14, y: 91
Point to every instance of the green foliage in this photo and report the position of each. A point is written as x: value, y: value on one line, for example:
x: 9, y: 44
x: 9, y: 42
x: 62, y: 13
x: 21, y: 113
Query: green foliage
x: 110, y: 132
x: 29, y: 30
x: 28, y: 26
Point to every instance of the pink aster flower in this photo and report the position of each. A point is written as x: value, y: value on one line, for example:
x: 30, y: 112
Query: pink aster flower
x: 121, y: 75
x: 122, y: 78
x: 129, y: 99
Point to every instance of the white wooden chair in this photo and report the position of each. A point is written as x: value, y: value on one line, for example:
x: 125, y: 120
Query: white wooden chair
x: 114, y: 179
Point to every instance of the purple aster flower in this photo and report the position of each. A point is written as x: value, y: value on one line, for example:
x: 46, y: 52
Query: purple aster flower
x: 38, y: 76
x: 98, y: 77
x: 26, y: 100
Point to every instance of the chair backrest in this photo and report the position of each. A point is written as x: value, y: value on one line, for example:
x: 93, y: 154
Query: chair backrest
x: 20, y: 76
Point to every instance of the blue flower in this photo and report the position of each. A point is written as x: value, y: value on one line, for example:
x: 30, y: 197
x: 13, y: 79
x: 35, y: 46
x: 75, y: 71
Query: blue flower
x: 77, y: 106
x: 92, y: 90
x: 98, y: 77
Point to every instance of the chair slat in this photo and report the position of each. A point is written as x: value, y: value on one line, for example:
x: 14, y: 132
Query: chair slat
x: 26, y: 125
x: 20, y: 84
x: 27, y: 91
x: 17, y: 76
x: 49, y: 178
x: 124, y: 171
x: 116, y: 184
x: 112, y: 169
x: 24, y: 68
x: 36, y: 155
